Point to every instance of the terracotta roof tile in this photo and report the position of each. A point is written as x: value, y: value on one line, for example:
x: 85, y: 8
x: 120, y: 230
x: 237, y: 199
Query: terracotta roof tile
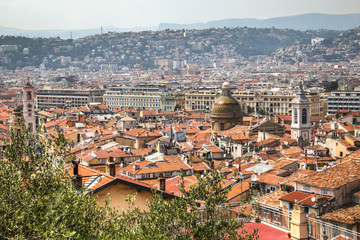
x: 269, y: 179
x: 171, y: 163
x: 199, y: 166
x: 236, y: 189
x: 140, y: 132
x: 348, y: 214
x: 334, y: 177
x: 272, y: 199
x: 305, y: 198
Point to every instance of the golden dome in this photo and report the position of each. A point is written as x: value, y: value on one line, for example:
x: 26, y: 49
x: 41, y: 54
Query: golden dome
x: 227, y: 107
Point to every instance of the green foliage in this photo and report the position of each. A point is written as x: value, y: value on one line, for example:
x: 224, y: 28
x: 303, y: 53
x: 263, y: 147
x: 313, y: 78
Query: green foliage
x: 250, y: 109
x: 177, y: 107
x: 331, y: 86
x: 261, y: 111
x: 38, y: 201
x: 197, y: 215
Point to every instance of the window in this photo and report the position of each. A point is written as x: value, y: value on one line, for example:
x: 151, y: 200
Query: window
x: 324, y: 191
x: 295, y: 115
x: 304, y: 115
x: 306, y: 210
x: 28, y: 95
x: 341, y: 154
x: 222, y: 126
x: 306, y: 187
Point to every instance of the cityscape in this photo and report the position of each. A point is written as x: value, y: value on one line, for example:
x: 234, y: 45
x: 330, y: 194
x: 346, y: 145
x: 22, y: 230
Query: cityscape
x: 236, y: 132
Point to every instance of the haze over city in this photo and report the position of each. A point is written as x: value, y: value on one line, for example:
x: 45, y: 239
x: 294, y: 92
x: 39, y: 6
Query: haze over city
x: 81, y: 14
x: 164, y: 119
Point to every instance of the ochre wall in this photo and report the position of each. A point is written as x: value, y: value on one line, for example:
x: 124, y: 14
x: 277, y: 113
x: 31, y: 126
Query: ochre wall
x: 118, y: 194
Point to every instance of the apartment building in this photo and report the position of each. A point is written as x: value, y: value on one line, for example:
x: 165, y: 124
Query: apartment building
x: 275, y: 102
x: 349, y: 100
x: 48, y: 98
x: 143, y: 97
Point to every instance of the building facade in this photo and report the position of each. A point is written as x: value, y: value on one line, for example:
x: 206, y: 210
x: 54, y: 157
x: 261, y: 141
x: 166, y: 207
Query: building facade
x: 274, y: 102
x: 148, y: 98
x: 349, y: 100
x: 48, y: 98
x: 143, y: 98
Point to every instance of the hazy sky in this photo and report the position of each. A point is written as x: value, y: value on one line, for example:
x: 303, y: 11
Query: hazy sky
x: 79, y: 14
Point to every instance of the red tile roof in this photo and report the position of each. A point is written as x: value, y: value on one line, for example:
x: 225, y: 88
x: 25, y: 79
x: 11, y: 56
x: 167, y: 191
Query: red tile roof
x: 271, y: 199
x: 269, y: 179
x: 171, y: 163
x: 348, y: 214
x: 305, y: 198
x: 141, y: 132
x: 334, y: 177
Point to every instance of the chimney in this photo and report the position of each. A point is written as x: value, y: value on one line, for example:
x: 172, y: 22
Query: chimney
x: 110, y: 167
x: 161, y: 182
x: 77, y: 179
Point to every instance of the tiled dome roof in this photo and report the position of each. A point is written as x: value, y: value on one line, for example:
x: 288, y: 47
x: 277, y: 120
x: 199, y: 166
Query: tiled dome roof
x: 226, y: 107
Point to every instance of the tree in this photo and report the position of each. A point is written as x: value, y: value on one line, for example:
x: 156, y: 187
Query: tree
x: 261, y: 111
x: 331, y: 86
x: 250, y: 109
x: 37, y: 199
x: 177, y: 107
x: 196, y: 215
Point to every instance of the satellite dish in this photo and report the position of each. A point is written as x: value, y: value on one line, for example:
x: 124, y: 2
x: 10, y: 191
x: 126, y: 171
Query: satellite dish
x: 313, y: 199
x: 254, y: 178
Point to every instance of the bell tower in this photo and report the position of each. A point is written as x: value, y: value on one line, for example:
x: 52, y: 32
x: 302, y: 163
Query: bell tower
x: 300, y: 121
x: 29, y: 107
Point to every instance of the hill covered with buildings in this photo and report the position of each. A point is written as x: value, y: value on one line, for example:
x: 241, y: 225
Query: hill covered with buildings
x: 178, y: 49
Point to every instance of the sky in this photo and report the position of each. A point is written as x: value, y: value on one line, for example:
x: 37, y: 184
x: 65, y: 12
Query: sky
x: 82, y: 14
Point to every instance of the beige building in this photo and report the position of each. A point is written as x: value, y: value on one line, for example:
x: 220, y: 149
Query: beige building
x: 135, y: 97
x: 48, y: 98
x: 276, y: 102
x: 148, y: 98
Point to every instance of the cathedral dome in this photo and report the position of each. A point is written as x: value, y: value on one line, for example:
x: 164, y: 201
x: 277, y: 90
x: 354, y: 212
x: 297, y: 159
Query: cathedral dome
x: 226, y: 111
x: 227, y: 107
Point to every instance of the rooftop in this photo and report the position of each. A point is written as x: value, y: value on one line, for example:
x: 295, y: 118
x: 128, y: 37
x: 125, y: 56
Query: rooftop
x: 334, y: 177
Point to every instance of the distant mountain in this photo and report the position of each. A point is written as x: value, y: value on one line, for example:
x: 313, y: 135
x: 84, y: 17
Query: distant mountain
x: 66, y: 34
x: 310, y: 21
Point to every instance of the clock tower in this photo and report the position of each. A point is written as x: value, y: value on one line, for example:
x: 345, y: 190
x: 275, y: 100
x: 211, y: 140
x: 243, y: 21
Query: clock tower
x: 29, y: 107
